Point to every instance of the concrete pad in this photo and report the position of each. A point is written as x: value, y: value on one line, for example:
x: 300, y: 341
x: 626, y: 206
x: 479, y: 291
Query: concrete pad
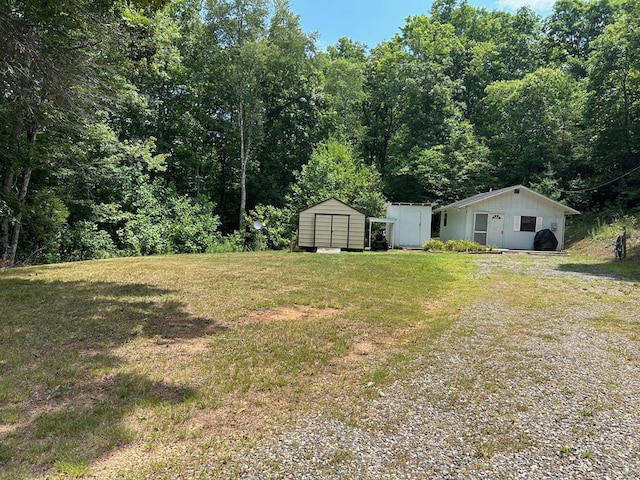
x: 327, y: 250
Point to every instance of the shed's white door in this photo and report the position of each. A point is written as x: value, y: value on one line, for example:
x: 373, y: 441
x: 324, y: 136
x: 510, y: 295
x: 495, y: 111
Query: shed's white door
x: 410, y: 225
x: 331, y: 231
x: 495, y: 232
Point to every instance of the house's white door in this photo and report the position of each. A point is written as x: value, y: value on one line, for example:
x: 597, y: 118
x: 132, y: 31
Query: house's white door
x: 495, y: 229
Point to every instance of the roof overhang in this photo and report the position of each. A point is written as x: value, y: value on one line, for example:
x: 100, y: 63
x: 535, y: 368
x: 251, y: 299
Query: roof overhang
x: 382, y: 220
x: 388, y: 221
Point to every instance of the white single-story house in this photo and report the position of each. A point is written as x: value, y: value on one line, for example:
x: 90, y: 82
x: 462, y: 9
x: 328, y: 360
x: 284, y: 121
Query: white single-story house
x: 331, y: 224
x: 506, y: 218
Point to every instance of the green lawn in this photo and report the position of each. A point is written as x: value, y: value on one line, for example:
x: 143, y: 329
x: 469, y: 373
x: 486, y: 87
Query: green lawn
x: 106, y: 363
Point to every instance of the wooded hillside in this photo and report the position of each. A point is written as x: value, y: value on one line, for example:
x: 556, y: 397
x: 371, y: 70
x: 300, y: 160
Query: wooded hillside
x: 154, y: 126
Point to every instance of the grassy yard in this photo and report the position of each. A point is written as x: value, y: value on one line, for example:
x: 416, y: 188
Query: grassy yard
x: 138, y: 367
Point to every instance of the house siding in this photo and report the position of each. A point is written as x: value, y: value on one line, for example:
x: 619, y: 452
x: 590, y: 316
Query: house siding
x: 456, y: 225
x: 507, y: 206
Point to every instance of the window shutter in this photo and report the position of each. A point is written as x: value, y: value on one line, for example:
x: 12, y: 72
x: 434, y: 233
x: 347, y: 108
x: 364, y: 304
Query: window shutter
x: 538, y: 224
x: 516, y: 223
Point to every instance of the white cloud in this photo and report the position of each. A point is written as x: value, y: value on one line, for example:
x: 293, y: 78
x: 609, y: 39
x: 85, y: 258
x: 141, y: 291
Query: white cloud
x: 537, y: 5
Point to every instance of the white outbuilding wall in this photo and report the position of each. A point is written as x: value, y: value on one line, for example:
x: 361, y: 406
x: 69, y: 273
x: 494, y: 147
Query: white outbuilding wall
x: 413, y: 224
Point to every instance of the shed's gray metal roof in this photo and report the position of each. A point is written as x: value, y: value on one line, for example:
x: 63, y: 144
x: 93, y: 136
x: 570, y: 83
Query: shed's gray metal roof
x: 328, y: 200
x: 494, y: 193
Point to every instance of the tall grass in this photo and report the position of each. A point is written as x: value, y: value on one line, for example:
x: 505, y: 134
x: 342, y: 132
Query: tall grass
x: 595, y: 234
x: 607, y: 224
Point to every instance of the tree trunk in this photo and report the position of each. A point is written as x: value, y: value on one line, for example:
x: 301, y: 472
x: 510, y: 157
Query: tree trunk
x: 243, y: 167
x: 6, y: 189
x: 17, y: 225
x: 246, y: 132
x: 26, y: 178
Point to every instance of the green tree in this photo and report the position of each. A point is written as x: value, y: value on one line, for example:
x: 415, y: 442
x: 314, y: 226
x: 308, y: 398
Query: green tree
x: 343, y: 71
x: 491, y: 46
x: 239, y: 30
x: 53, y: 71
x: 456, y: 168
x: 334, y: 171
x: 290, y: 88
x: 385, y: 99
x: 416, y: 134
x: 614, y: 105
x: 571, y: 29
x: 532, y: 123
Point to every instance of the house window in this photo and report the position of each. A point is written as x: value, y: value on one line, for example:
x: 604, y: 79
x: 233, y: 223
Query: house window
x: 444, y: 220
x: 527, y: 223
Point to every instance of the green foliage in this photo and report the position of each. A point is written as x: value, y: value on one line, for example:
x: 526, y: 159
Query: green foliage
x: 146, y: 229
x: 291, y: 99
x: 193, y: 227
x: 277, y: 228
x: 613, y: 105
x: 234, y: 242
x: 343, y: 72
x: 547, y: 183
x: 161, y: 221
x: 465, y: 246
x: 445, y: 172
x: 152, y: 121
x: 604, y: 225
x: 436, y: 245
x: 531, y: 124
x: 572, y: 27
x: 45, y: 215
x: 334, y: 171
x: 83, y: 240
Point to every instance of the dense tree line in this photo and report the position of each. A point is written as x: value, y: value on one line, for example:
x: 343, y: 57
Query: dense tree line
x: 154, y: 126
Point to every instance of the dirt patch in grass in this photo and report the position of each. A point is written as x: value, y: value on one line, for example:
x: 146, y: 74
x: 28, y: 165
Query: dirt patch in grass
x: 294, y: 313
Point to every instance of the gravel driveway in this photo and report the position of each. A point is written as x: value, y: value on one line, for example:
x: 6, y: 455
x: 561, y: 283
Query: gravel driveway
x: 526, y: 385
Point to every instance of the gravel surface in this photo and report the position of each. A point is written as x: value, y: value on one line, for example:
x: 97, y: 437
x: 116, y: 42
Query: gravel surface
x: 515, y: 390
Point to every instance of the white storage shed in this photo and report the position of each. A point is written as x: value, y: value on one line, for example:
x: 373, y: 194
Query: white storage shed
x: 412, y: 226
x: 331, y: 224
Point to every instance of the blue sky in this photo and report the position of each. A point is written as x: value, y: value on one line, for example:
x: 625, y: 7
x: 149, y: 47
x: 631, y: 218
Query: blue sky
x: 374, y: 21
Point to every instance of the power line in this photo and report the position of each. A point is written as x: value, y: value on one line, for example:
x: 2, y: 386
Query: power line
x: 604, y: 184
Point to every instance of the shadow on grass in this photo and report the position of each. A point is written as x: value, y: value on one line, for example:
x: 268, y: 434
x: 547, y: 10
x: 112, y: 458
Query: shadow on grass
x: 62, y: 398
x: 624, y: 270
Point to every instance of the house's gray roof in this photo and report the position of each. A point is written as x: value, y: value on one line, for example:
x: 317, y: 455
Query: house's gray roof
x: 494, y: 193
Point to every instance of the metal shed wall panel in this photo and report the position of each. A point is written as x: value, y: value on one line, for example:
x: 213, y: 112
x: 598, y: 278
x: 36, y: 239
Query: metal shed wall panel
x: 413, y: 227
x: 331, y: 224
